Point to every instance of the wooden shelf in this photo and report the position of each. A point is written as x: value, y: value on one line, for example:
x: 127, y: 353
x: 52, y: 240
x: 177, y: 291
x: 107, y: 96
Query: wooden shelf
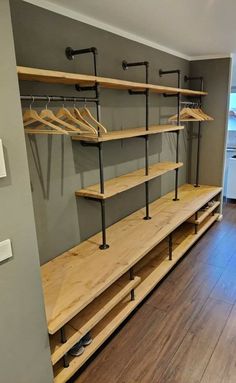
x: 87, y: 269
x: 203, y: 214
x: 90, y: 316
x: 128, y: 133
x: 50, y: 76
x: 156, y: 267
x: 128, y: 181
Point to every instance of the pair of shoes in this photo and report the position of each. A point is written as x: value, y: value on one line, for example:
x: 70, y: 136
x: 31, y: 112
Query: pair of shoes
x: 79, y: 347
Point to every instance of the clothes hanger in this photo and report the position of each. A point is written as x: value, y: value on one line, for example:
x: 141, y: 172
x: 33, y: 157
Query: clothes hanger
x: 187, y: 114
x: 48, y: 114
x: 86, y: 112
x: 65, y: 112
x: 30, y: 116
x: 81, y: 118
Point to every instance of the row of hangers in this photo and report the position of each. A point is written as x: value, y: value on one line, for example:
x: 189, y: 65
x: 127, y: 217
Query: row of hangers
x: 68, y: 121
x: 192, y: 112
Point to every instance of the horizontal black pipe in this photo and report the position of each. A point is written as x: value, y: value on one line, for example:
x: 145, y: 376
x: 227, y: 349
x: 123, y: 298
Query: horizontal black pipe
x: 126, y: 65
x: 161, y: 72
x: 58, y: 98
x: 70, y: 52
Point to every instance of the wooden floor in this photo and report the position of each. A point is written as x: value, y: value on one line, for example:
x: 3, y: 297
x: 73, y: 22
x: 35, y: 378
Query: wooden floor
x: 185, y: 332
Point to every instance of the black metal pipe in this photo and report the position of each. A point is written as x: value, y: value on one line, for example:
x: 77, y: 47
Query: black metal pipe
x: 63, y: 335
x: 131, y: 277
x: 170, y: 247
x: 126, y: 65
x: 71, y: 53
x: 195, y: 78
x: 104, y: 245
x: 101, y: 170
x: 58, y: 98
x: 198, y: 155
x: 163, y: 72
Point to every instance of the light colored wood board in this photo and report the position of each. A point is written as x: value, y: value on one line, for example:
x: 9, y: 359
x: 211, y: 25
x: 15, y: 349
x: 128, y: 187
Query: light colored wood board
x: 128, y: 181
x: 203, y: 214
x: 150, y: 276
x: 88, y: 270
x: 129, y: 133
x: 51, y: 76
x: 90, y: 316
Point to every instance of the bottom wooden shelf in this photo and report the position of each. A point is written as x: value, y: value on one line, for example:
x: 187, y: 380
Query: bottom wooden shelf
x: 151, y: 269
x: 77, y: 327
x: 203, y: 214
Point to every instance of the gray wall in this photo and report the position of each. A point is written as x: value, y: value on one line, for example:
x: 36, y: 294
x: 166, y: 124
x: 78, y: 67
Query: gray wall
x: 217, y: 77
x: 24, y: 350
x: 58, y: 166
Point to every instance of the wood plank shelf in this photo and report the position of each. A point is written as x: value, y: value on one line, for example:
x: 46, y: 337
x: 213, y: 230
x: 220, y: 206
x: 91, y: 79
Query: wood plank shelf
x: 65, y: 275
x: 127, y: 181
x: 56, y: 77
x: 203, y: 214
x: 90, y: 316
x: 128, y: 133
x: 156, y: 267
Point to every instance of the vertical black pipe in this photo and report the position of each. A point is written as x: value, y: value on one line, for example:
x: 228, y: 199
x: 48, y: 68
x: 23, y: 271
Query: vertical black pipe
x: 147, y: 217
x: 102, y: 190
x: 104, y: 245
x: 63, y: 340
x: 198, y: 155
x: 177, y: 141
x: 131, y: 277
x: 101, y: 172
x: 170, y: 247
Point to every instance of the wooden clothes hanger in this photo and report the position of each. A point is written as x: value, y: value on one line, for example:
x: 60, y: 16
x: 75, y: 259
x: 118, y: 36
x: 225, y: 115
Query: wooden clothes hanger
x: 191, y: 114
x: 86, y: 113
x: 30, y: 117
x: 66, y: 113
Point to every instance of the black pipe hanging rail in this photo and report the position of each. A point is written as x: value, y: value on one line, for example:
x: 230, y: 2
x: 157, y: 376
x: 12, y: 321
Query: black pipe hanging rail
x: 178, y: 95
x: 57, y: 98
x: 70, y: 54
x: 201, y: 79
x: 125, y: 66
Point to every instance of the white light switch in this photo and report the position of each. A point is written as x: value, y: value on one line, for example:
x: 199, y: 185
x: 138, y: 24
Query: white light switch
x: 3, y: 172
x: 5, y: 250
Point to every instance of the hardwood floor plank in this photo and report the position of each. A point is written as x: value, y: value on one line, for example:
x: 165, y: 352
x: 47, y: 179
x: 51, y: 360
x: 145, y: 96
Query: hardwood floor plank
x: 193, y: 355
x: 180, y: 280
x: 122, y: 346
x: 222, y: 366
x: 158, y: 348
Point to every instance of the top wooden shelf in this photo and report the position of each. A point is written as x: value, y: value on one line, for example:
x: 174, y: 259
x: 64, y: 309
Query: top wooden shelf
x: 74, y: 279
x: 50, y: 76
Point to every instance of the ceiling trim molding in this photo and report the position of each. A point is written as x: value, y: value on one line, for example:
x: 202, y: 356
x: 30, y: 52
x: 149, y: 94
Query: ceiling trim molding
x: 210, y: 57
x: 46, y: 4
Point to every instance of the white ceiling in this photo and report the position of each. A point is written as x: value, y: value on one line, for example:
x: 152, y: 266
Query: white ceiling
x: 188, y: 28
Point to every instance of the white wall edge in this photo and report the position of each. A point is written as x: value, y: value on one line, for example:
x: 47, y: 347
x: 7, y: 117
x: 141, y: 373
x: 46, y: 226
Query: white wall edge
x: 117, y: 31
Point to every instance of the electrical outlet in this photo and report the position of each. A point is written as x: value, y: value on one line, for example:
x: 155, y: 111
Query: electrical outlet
x: 5, y: 250
x: 3, y: 172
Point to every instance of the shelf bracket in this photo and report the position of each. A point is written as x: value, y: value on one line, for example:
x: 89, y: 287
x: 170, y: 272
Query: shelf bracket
x: 70, y: 54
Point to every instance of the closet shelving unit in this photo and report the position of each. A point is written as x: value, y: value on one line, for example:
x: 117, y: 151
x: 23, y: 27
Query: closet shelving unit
x: 86, y: 289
